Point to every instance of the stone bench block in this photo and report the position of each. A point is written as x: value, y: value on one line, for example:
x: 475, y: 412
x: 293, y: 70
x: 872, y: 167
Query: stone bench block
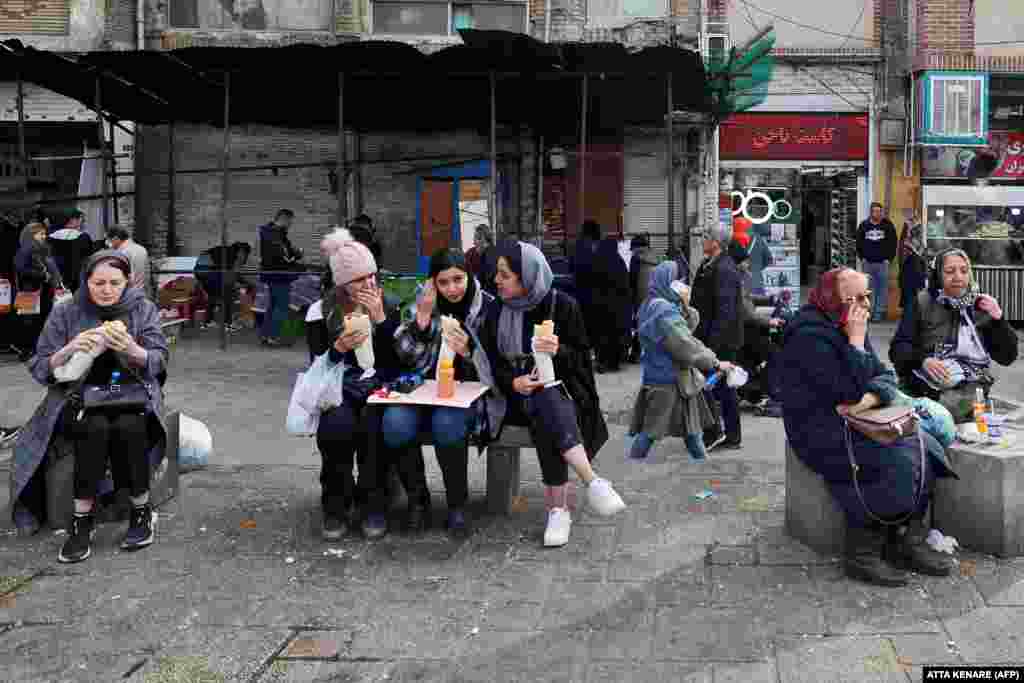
x: 984, y: 509
x: 813, y: 517
x: 60, y: 482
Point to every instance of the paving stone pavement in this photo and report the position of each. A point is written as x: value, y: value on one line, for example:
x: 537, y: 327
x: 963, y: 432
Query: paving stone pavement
x: 239, y: 586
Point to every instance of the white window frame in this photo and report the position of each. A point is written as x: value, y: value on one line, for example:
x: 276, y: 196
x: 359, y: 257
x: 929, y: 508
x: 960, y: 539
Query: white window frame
x: 451, y: 14
x: 977, y: 125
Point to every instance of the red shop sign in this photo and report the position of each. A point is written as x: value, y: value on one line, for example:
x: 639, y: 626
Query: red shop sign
x: 795, y: 137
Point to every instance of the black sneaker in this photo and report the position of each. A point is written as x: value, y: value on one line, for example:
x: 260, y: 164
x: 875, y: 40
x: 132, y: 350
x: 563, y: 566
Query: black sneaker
x: 731, y: 444
x: 141, y: 529
x: 418, y: 520
x: 78, y: 547
x: 334, y: 527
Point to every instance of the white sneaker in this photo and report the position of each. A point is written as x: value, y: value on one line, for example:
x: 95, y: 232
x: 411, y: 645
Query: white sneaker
x: 603, y: 499
x: 557, y: 532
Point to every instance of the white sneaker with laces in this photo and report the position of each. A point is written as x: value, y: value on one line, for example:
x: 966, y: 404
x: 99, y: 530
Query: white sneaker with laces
x: 603, y: 499
x: 559, y: 524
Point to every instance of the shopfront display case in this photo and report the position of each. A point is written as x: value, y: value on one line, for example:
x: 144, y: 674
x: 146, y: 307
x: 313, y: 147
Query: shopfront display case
x: 987, y: 222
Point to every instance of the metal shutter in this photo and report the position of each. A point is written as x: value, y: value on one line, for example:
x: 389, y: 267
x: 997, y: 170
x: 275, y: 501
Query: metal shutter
x: 41, y: 17
x: 646, y: 192
x: 41, y: 105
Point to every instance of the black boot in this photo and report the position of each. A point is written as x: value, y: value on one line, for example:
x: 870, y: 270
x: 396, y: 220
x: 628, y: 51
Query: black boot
x: 910, y: 551
x: 78, y: 547
x: 863, y: 558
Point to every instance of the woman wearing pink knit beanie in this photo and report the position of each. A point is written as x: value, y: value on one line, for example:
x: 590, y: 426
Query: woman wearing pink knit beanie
x: 349, y: 428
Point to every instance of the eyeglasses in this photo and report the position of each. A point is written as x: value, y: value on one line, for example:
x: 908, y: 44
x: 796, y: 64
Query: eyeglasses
x: 864, y: 298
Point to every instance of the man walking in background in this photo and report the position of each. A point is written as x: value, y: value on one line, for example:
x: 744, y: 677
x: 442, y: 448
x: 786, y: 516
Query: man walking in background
x: 876, y: 248
x: 277, y: 256
x: 121, y: 240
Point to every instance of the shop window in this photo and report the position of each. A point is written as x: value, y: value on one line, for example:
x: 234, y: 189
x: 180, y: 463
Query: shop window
x: 432, y: 19
x: 253, y: 15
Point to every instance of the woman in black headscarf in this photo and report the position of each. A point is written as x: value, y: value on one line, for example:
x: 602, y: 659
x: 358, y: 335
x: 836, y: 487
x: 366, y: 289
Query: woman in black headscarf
x: 454, y: 293
x: 105, y: 310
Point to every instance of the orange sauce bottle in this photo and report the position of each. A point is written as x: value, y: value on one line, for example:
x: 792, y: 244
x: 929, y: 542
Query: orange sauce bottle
x: 446, y: 379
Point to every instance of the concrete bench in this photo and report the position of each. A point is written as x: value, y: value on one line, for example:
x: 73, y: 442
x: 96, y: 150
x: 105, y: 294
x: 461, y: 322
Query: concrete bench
x: 60, y: 481
x: 984, y: 509
x: 502, y: 466
x: 813, y: 517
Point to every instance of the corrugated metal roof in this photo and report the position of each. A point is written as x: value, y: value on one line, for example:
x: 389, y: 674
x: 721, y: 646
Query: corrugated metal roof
x: 388, y: 86
x: 41, y: 105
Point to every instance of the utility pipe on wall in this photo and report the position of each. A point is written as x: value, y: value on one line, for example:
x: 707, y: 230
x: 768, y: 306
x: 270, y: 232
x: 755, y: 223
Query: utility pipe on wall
x: 140, y: 24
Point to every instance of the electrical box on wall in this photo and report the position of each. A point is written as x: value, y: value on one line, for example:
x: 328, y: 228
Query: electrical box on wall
x: 951, y: 108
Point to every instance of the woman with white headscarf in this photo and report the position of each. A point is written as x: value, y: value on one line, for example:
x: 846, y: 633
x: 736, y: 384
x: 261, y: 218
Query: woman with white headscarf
x: 564, y: 418
x: 947, y: 340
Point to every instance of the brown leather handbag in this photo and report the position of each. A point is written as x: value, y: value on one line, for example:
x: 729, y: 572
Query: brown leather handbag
x: 885, y: 425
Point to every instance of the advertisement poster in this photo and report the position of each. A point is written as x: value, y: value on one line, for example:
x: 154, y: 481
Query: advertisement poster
x: 962, y: 162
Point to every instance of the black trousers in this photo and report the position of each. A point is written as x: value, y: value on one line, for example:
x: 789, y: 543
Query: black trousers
x: 121, y: 438
x: 351, y: 434
x: 550, y: 415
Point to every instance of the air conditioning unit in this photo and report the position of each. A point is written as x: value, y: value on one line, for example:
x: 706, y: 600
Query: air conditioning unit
x: 952, y: 108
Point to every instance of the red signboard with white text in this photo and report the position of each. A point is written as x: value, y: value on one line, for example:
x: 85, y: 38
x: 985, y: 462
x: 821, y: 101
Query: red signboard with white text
x: 794, y: 137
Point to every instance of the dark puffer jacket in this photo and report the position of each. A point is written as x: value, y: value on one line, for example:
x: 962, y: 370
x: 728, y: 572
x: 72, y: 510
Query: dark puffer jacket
x: 718, y: 297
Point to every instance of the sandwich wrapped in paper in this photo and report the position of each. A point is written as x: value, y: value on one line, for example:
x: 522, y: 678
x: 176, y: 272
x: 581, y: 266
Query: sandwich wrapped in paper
x: 81, y: 361
x: 364, y: 352
x: 448, y: 325
x: 543, y: 361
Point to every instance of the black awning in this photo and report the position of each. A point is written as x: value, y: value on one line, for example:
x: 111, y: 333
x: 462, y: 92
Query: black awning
x: 388, y: 85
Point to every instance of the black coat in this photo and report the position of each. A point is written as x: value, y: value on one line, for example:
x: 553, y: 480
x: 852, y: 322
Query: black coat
x: 572, y: 362
x: 70, y: 256
x: 718, y: 297
x: 610, y: 314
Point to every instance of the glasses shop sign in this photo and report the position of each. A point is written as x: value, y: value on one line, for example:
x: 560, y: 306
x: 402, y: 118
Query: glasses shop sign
x: 794, y: 137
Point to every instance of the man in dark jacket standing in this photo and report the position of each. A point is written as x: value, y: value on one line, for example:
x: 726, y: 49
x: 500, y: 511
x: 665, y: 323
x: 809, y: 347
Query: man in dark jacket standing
x: 278, y: 256
x: 718, y: 297
x: 876, y: 248
x: 641, y: 265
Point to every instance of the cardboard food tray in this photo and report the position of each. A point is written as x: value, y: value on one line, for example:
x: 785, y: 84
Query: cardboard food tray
x: 426, y: 395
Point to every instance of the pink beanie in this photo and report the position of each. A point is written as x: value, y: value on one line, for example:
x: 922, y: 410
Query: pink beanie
x: 350, y: 261
x: 333, y: 240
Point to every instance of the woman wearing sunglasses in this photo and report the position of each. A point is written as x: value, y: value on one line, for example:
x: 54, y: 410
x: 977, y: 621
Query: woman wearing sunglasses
x: 829, y: 370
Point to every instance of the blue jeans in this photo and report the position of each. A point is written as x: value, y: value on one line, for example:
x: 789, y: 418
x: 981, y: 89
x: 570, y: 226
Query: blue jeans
x: 277, y: 311
x: 878, y: 274
x: 449, y: 426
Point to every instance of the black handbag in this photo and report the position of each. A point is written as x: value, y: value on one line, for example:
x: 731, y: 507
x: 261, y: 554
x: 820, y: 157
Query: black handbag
x: 121, y: 397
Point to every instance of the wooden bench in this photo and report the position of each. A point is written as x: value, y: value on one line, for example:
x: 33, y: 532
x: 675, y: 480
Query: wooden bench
x: 60, y: 480
x: 502, y: 466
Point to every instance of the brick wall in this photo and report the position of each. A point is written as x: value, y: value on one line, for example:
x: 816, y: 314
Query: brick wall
x: 943, y: 26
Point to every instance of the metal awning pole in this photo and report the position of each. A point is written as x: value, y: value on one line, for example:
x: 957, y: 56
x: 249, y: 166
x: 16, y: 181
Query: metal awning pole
x: 225, y: 193
x: 22, y: 156
x: 104, y: 190
x: 342, y: 167
x: 670, y: 170
x: 172, y: 191
x: 493, y: 208
x: 112, y: 175
x: 583, y: 152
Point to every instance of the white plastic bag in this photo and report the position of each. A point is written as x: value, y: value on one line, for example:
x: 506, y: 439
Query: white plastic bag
x: 300, y: 421
x: 195, y: 443
x: 80, y: 362
x: 737, y: 377
x: 320, y: 387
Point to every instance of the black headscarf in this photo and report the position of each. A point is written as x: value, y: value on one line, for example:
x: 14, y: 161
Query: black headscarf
x: 131, y: 297
x: 453, y: 258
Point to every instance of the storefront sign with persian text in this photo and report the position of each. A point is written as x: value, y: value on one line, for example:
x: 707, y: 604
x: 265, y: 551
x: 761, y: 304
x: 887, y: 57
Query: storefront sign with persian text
x: 796, y: 137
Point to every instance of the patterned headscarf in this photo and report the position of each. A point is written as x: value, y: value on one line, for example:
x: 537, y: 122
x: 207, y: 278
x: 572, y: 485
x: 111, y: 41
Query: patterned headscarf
x: 935, y: 282
x: 825, y: 296
x: 912, y: 240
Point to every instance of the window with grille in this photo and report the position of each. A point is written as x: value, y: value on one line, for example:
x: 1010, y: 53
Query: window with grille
x: 426, y: 18
x: 253, y: 15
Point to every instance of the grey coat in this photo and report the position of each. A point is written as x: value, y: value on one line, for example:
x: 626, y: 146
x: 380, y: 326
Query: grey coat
x: 65, y: 322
